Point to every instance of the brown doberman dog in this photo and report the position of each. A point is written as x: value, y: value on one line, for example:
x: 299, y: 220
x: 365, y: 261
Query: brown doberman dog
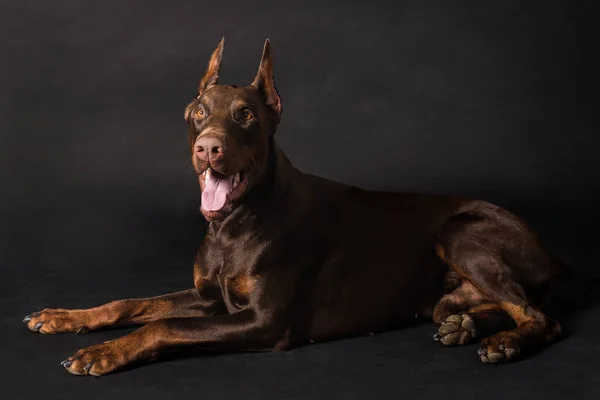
x: 291, y: 259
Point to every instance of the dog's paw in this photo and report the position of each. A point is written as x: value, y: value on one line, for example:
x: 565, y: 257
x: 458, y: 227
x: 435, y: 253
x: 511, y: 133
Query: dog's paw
x: 455, y: 330
x: 50, y: 321
x: 97, y: 360
x: 502, y: 347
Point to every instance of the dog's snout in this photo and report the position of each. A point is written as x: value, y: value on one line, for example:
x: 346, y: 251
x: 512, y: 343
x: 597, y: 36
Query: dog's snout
x: 209, y: 148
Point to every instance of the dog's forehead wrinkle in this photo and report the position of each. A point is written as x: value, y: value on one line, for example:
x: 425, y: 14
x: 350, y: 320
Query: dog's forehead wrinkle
x: 238, y: 104
x: 227, y: 96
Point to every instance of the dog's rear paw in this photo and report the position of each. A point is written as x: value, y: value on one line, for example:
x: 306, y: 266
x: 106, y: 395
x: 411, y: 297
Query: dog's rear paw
x: 49, y: 321
x: 502, y: 347
x: 455, y: 330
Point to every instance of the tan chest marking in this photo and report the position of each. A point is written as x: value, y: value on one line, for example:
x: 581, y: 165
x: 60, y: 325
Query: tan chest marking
x: 242, y: 285
x: 201, y: 281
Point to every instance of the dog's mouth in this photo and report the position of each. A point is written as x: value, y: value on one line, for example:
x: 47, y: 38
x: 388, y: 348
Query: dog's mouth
x: 219, y: 191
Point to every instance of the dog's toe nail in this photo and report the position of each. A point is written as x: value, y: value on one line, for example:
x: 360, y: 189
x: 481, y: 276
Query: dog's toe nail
x: 66, y: 363
x: 81, y: 331
x: 436, y: 337
x: 87, y: 367
x: 27, y: 318
x: 38, y: 326
x: 501, y: 347
x: 482, y: 351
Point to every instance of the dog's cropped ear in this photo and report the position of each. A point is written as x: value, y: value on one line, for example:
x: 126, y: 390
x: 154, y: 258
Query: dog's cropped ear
x: 211, y: 76
x: 264, y: 81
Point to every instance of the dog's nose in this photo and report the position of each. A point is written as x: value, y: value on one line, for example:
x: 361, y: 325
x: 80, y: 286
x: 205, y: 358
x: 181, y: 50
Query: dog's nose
x: 209, y: 148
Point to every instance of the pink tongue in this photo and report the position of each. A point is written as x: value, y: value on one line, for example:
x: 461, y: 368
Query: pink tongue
x: 215, y: 192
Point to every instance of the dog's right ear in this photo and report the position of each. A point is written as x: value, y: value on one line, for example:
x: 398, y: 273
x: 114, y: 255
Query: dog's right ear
x: 211, y: 76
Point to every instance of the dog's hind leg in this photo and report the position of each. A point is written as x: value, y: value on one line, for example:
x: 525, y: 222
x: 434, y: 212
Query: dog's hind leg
x: 498, y: 255
x: 480, y: 321
x: 457, y: 301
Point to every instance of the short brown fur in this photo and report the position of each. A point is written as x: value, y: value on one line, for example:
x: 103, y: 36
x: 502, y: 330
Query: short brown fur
x: 291, y: 259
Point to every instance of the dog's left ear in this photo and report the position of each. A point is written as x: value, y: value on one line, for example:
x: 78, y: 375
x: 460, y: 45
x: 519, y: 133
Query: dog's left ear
x: 265, y: 84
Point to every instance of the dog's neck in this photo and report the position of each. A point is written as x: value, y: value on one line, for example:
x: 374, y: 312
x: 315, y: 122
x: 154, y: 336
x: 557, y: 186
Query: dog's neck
x: 277, y: 174
x: 272, y: 188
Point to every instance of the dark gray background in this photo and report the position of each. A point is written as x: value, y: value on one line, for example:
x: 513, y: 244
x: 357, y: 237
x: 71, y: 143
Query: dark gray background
x: 486, y: 99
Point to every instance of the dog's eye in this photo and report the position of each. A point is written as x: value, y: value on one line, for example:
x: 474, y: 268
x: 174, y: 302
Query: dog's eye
x: 200, y: 113
x: 247, y: 115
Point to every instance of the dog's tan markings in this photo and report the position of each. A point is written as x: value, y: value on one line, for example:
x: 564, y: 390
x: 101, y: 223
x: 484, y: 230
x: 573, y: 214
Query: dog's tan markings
x: 243, y: 285
x: 484, y: 307
x: 50, y: 321
x: 517, y: 312
x: 237, y: 104
x: 441, y: 252
x: 200, y: 281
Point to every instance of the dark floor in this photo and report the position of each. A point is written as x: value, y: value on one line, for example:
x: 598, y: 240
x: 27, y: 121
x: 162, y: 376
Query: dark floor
x: 80, y: 259
x: 483, y: 98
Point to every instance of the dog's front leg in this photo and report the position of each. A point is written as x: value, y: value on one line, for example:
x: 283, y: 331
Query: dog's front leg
x: 187, y: 303
x: 244, y: 330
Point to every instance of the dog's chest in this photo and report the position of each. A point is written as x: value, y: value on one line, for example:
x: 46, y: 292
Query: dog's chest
x: 225, y: 275
x: 234, y: 290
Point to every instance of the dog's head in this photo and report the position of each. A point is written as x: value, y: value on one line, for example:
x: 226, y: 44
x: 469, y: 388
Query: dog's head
x: 229, y: 134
